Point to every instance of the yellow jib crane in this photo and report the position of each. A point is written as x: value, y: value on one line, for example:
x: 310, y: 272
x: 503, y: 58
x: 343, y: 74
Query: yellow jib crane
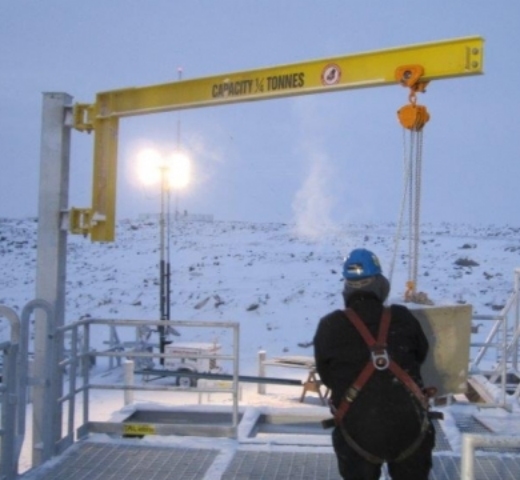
x: 412, y: 66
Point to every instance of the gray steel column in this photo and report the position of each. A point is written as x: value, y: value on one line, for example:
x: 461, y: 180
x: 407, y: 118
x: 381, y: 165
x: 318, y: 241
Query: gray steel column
x: 51, y: 270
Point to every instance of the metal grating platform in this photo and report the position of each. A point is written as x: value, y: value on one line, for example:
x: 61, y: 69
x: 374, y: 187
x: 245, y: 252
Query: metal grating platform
x: 492, y: 467
x: 105, y: 461
x: 204, y: 458
x: 102, y: 461
x: 258, y: 465
x: 486, y: 468
x: 441, y: 441
x: 469, y: 424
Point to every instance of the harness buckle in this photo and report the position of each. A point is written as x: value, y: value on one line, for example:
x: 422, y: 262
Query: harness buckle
x: 380, y: 358
x: 351, y: 394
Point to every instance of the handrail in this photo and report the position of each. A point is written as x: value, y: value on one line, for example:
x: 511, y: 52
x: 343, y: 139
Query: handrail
x: 10, y: 405
x: 472, y: 441
x: 45, y: 388
x: 507, y: 347
x: 78, y: 365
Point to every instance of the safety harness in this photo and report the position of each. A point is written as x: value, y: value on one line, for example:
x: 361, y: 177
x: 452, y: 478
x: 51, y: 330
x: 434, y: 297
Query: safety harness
x: 380, y: 360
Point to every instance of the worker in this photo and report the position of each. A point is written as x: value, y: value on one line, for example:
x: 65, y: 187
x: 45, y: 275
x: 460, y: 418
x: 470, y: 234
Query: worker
x: 380, y: 416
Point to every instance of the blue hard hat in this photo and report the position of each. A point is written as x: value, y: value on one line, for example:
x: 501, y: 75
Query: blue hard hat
x: 361, y: 263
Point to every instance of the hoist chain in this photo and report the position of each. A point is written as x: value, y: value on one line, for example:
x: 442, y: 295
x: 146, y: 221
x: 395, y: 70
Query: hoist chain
x: 413, y: 117
x: 397, y: 237
x: 417, y: 140
x: 415, y: 162
x: 411, y: 203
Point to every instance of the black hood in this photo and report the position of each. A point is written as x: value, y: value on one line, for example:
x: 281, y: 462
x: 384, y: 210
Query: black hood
x: 377, y: 286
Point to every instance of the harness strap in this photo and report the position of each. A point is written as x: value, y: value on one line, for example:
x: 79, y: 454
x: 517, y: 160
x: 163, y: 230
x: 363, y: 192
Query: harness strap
x: 376, y: 347
x: 409, y: 383
x: 368, y: 370
x: 363, y: 330
x: 352, y: 392
x: 403, y: 455
x: 381, y: 361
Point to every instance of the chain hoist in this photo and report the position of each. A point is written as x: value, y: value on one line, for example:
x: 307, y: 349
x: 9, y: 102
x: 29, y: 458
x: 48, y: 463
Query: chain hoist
x: 412, y: 117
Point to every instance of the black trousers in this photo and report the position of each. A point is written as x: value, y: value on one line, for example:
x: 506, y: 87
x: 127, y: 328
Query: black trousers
x: 353, y: 466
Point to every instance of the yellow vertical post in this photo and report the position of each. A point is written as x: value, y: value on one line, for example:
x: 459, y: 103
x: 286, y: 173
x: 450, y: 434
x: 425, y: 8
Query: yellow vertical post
x: 104, y: 184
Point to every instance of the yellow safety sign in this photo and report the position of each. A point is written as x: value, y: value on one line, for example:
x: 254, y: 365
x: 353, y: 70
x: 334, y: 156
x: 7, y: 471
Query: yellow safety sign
x: 138, y: 429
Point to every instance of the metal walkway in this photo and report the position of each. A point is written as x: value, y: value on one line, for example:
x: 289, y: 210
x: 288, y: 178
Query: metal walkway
x: 100, y: 461
x: 90, y: 460
x: 99, y: 457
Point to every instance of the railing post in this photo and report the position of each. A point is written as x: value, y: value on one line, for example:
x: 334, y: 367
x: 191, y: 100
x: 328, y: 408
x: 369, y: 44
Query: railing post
x: 128, y: 366
x: 517, y: 317
x: 12, y: 409
x: 261, y: 371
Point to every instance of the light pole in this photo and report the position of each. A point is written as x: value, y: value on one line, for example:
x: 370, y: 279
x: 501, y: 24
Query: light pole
x: 170, y: 172
x: 179, y: 71
x: 164, y: 257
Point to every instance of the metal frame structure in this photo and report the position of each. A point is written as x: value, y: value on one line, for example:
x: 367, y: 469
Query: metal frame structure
x: 504, y: 337
x: 438, y: 60
x: 77, y: 363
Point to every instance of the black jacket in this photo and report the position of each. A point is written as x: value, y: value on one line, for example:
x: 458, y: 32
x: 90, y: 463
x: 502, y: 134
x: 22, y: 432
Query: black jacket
x: 385, y: 417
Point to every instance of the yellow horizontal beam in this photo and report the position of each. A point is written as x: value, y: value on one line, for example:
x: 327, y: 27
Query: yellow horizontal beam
x: 442, y: 59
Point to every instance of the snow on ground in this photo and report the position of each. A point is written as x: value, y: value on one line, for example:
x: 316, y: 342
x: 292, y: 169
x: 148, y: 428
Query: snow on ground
x: 272, y: 280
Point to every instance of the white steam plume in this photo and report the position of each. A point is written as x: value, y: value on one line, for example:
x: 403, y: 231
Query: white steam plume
x: 313, y: 202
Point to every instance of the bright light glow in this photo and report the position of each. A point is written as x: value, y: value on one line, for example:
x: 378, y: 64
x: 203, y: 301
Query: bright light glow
x: 150, y: 165
x: 179, y: 169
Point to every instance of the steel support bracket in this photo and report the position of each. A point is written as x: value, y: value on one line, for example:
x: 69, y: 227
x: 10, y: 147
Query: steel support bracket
x: 83, y: 117
x: 80, y: 221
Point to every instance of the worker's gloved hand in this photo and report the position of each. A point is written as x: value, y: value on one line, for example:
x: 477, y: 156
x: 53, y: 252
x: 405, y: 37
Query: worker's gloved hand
x: 430, y: 392
x: 332, y: 407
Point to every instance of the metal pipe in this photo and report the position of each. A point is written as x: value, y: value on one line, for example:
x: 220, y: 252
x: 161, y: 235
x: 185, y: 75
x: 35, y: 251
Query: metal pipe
x: 503, y: 364
x: 222, y: 376
x: 129, y: 381
x: 261, y: 371
x: 517, y: 317
x: 44, y: 375
x: 72, y: 379
x: 236, y: 364
x: 216, y: 356
x: 136, y: 323
x: 487, y: 343
x: 472, y: 441
x: 85, y: 372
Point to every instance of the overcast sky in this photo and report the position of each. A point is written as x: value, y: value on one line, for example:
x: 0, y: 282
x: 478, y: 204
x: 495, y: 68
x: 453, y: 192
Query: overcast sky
x: 331, y: 158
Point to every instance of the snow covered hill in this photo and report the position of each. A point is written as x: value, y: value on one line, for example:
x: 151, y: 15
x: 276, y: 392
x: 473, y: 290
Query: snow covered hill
x: 273, y: 280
